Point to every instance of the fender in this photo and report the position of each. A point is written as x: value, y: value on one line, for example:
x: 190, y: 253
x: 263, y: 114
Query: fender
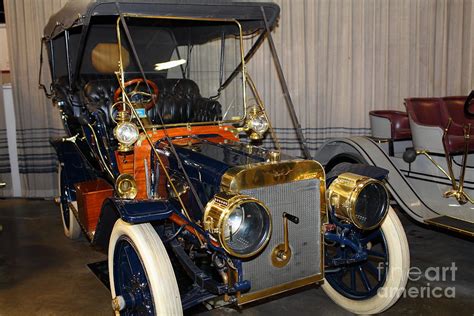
x: 367, y: 151
x: 360, y: 169
x: 130, y: 211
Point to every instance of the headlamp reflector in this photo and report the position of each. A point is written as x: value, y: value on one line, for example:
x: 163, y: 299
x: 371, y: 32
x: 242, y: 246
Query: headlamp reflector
x: 241, y: 223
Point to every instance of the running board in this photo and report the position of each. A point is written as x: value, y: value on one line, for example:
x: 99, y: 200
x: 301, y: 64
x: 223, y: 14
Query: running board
x: 454, y: 224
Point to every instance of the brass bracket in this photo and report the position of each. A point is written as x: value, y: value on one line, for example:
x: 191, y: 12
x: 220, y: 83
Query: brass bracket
x: 281, y: 254
x: 71, y: 139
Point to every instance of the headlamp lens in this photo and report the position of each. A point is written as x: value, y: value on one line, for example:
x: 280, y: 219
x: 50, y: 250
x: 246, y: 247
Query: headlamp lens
x: 246, y: 228
x: 126, y: 133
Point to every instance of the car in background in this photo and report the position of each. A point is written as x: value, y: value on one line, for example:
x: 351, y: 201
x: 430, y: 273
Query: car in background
x: 429, y: 153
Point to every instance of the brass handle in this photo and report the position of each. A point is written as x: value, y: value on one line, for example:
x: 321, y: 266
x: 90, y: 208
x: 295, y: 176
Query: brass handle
x: 292, y: 218
x: 281, y: 254
x: 2, y: 185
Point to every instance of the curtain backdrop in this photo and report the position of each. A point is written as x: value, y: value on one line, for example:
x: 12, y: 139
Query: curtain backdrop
x: 344, y: 58
x: 341, y: 59
x: 36, y: 119
x: 5, y: 175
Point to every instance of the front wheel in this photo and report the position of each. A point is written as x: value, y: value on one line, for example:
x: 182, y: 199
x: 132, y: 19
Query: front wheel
x: 373, y: 285
x: 142, y: 280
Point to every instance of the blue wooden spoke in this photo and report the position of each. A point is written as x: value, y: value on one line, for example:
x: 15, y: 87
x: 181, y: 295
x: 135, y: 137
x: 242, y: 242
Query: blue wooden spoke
x: 372, y: 269
x: 377, y: 254
x: 353, y: 279
x: 370, y: 237
x: 364, y: 278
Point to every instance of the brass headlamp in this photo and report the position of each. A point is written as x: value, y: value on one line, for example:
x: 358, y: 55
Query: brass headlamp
x: 240, y: 223
x: 125, y: 132
x: 256, y: 123
x: 361, y: 200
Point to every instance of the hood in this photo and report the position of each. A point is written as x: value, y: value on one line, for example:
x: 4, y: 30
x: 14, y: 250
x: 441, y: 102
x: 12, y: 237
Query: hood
x: 207, y: 159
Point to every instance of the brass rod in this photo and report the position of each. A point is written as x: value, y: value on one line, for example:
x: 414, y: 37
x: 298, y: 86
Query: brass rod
x: 448, y: 157
x: 285, y: 237
x: 467, y: 131
x: 436, y: 164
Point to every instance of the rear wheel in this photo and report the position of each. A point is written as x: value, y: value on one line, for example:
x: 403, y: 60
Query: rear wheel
x: 142, y: 280
x: 71, y: 226
x: 373, y: 285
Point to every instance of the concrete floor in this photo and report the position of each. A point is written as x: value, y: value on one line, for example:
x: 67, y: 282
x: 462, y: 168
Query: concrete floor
x: 44, y: 273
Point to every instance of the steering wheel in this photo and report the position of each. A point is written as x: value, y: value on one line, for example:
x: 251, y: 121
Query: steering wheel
x: 467, y: 105
x: 139, y: 94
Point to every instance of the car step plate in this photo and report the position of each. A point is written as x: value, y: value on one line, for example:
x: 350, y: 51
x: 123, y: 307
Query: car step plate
x: 454, y: 224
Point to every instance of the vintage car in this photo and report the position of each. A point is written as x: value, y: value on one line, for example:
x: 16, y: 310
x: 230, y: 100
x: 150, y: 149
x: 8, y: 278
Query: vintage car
x: 159, y: 168
x: 429, y: 153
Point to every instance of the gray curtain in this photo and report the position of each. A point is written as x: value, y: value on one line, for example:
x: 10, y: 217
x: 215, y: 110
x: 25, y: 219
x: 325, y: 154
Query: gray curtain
x: 341, y: 58
x: 36, y: 119
x: 344, y: 58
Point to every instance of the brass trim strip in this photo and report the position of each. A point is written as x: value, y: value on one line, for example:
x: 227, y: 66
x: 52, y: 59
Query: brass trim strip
x: 252, y: 297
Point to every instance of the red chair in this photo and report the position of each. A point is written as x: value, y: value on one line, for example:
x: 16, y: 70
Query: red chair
x: 440, y: 126
x: 453, y: 109
x: 427, y: 124
x: 390, y: 125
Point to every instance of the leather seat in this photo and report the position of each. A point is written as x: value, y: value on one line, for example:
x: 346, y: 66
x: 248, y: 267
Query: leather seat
x: 453, y: 107
x: 426, y: 122
x: 179, y: 100
x: 428, y: 119
x: 98, y: 95
x: 399, y: 124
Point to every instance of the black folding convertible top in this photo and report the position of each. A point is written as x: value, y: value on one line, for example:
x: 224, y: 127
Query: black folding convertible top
x: 249, y: 14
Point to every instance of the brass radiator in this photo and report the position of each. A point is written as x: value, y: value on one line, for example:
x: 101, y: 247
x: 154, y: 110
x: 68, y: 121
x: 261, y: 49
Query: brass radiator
x: 301, y: 199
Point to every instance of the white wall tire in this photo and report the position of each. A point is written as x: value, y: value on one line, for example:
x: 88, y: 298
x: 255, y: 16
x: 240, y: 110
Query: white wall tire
x: 72, y: 228
x: 396, y: 278
x: 155, y: 262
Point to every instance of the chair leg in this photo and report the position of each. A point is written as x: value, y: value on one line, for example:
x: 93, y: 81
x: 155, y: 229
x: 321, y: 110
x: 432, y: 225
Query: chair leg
x: 391, y: 148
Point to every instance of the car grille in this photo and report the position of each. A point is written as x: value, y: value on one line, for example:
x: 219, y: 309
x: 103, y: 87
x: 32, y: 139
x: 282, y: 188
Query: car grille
x: 301, y: 199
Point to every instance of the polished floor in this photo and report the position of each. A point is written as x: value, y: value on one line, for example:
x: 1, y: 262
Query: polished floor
x: 43, y: 273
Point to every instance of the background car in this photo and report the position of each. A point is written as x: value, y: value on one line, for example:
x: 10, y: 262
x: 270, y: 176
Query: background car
x: 428, y: 151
